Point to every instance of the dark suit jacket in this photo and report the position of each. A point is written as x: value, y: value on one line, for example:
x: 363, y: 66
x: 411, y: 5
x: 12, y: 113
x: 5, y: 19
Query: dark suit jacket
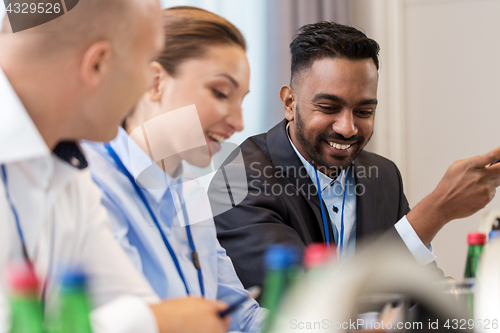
x: 266, y: 216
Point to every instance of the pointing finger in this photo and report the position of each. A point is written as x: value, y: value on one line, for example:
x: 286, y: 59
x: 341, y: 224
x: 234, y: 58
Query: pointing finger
x: 483, y: 160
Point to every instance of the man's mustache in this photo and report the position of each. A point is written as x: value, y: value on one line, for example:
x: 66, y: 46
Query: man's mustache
x: 340, y: 138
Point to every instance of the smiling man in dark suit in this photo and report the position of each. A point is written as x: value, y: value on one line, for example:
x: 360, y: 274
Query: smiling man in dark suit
x: 330, y: 111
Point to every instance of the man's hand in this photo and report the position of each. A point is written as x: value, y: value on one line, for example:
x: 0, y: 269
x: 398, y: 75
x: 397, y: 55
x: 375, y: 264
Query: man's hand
x: 190, y: 315
x: 467, y: 186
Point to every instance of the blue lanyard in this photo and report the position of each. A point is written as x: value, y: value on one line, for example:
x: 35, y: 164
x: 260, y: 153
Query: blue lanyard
x: 323, y: 214
x: 16, y: 216
x: 21, y: 237
x: 139, y: 192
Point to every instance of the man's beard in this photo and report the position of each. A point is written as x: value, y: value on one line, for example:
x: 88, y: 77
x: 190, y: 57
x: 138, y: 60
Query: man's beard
x: 314, y: 149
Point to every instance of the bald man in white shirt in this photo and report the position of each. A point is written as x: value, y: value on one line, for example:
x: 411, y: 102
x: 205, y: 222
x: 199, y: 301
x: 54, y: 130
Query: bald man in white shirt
x: 73, y: 78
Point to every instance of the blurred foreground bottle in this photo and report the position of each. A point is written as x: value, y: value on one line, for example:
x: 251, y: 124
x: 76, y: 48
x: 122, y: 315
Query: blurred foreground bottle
x: 476, y: 241
x: 75, y: 305
x: 493, y: 234
x: 26, y: 309
x: 316, y: 256
x: 283, y: 267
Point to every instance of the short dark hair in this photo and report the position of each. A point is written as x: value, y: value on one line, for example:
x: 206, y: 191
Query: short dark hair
x: 330, y: 40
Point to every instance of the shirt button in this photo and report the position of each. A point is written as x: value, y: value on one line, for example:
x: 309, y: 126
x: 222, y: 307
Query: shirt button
x: 75, y: 162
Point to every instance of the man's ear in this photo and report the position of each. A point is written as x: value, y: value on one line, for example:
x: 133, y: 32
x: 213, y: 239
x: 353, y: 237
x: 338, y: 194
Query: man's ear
x: 155, y: 91
x: 289, y: 100
x: 96, y: 63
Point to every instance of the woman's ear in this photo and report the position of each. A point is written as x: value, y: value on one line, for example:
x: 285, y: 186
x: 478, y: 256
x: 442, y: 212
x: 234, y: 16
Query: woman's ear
x: 289, y: 100
x: 155, y: 92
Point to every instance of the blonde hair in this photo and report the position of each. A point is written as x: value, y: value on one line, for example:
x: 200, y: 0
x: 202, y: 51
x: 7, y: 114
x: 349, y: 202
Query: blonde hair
x: 189, y: 31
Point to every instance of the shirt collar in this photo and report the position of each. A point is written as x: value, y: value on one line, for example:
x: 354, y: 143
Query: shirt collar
x: 324, y: 180
x: 19, y: 137
x: 147, y: 174
x: 71, y: 152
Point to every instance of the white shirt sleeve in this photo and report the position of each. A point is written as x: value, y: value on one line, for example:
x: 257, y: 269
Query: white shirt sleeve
x: 126, y: 314
x: 4, y: 314
x: 424, y: 255
x: 4, y: 250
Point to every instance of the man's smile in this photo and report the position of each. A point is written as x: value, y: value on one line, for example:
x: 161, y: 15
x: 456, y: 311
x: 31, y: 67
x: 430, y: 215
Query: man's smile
x: 340, y: 146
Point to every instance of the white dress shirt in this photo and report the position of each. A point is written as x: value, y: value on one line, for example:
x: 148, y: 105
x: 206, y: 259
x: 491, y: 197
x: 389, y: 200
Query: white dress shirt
x: 63, y: 222
x: 4, y: 246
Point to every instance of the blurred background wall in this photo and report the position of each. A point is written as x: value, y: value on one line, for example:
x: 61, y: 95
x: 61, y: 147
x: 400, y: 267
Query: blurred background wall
x: 438, y: 88
x: 437, y: 92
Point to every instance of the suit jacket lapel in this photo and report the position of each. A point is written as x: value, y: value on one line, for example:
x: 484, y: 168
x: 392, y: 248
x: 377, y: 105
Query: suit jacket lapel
x: 283, y: 156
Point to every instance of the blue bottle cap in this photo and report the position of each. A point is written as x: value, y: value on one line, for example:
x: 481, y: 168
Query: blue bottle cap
x: 493, y: 234
x: 73, y: 278
x: 278, y: 257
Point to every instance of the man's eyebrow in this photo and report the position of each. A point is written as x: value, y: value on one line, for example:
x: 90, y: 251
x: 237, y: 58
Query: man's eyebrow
x: 369, y: 101
x: 335, y: 98
x: 230, y: 78
x: 331, y: 97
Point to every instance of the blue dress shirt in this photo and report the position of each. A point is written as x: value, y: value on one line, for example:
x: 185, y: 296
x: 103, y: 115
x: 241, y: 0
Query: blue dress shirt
x: 135, y: 230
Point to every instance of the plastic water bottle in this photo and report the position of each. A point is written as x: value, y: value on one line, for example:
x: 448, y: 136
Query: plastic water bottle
x: 283, y: 266
x: 493, y: 234
x: 317, y: 255
x: 75, y: 305
x: 26, y: 309
x: 476, y: 241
